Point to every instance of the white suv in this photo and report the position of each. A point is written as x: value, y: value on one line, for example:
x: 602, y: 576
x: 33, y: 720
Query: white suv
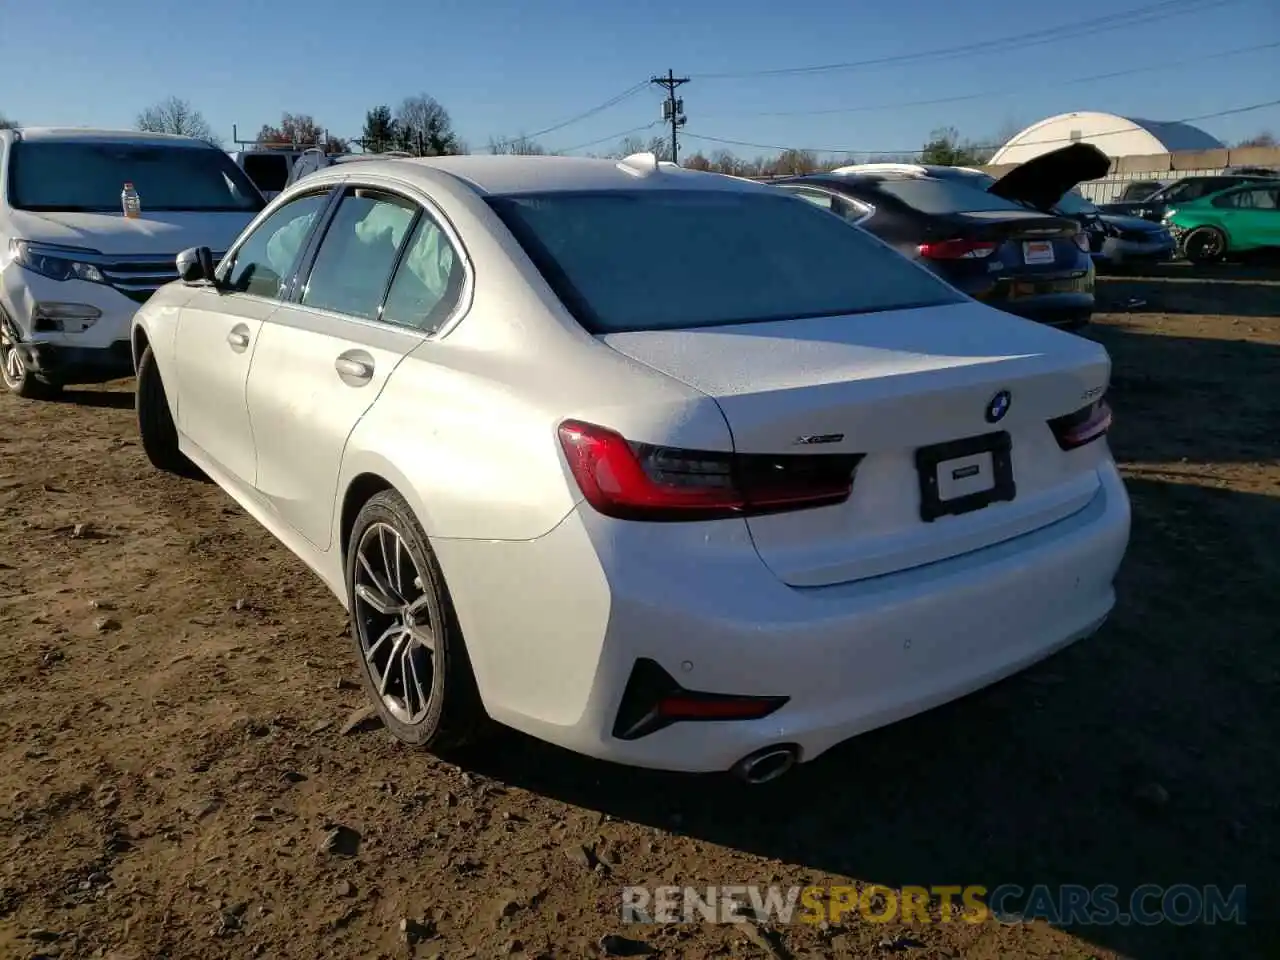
x: 73, y: 269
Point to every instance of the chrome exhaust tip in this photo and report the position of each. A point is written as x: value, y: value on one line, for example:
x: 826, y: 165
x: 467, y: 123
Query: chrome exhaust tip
x: 766, y: 765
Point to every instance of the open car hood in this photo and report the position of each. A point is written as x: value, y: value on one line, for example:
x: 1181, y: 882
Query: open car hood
x: 1042, y: 182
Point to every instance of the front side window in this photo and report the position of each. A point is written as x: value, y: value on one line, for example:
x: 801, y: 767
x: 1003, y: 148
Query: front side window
x: 268, y: 255
x: 88, y: 176
x: 947, y: 196
x: 428, y: 281
x: 669, y: 259
x: 358, y: 253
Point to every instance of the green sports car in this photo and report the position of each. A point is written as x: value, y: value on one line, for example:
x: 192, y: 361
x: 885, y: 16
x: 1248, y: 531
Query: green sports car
x: 1237, y: 220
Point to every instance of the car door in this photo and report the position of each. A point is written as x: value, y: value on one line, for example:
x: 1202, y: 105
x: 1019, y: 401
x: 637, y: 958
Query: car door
x: 219, y: 326
x: 323, y: 358
x: 1254, y: 220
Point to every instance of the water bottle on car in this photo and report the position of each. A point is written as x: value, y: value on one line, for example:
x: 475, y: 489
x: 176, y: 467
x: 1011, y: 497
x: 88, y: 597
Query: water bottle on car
x: 130, y: 201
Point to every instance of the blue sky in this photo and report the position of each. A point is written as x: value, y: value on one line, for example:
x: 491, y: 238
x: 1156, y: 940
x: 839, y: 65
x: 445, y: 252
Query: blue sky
x: 502, y: 68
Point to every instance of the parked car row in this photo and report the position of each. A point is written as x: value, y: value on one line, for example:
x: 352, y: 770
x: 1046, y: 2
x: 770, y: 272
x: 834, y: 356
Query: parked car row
x: 666, y: 467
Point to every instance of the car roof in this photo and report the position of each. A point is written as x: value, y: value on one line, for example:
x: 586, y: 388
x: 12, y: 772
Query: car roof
x: 90, y: 135
x: 505, y: 174
x: 907, y: 170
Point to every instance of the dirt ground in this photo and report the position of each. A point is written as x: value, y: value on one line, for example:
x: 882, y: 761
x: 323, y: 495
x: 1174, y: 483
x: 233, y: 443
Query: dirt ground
x: 175, y: 752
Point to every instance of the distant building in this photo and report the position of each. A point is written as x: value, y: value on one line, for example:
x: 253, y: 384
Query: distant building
x: 1115, y: 136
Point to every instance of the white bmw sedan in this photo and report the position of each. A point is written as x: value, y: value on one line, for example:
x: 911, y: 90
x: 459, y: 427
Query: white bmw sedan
x: 665, y: 467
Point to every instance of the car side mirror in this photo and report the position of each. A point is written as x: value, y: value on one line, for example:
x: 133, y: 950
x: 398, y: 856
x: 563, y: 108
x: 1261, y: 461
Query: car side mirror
x: 195, y: 265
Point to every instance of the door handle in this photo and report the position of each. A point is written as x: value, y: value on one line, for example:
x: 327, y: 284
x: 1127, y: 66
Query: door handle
x: 351, y: 369
x: 238, y: 338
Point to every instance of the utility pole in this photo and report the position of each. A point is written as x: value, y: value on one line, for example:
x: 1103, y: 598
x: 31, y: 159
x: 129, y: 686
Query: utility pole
x: 672, y: 107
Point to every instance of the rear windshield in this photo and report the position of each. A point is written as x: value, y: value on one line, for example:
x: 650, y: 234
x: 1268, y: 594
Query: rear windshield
x: 1074, y: 203
x: 946, y: 196
x: 88, y: 177
x: 657, y: 260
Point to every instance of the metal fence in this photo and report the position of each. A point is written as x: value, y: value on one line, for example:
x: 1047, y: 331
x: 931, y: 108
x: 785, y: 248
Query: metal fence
x: 1109, y: 188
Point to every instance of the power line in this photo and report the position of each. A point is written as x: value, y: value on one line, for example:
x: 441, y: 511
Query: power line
x: 1026, y: 143
x: 613, y: 136
x: 870, y: 108
x: 612, y: 101
x: 1134, y: 17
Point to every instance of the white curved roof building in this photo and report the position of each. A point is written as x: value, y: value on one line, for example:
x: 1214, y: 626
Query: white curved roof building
x: 1115, y: 136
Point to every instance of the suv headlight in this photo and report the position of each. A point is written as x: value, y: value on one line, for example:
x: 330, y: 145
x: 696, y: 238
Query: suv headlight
x: 56, y: 263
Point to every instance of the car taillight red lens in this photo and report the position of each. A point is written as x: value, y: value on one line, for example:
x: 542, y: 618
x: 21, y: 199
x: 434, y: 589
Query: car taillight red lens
x: 956, y: 250
x: 637, y: 481
x: 1084, y: 426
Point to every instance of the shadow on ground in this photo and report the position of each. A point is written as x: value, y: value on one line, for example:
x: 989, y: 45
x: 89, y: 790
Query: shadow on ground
x: 1205, y: 399
x: 1046, y: 778
x: 1233, y: 292
x: 1142, y: 755
x: 111, y: 399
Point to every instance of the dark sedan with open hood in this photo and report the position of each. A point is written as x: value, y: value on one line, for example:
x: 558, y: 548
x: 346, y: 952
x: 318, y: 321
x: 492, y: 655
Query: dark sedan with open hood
x: 999, y: 241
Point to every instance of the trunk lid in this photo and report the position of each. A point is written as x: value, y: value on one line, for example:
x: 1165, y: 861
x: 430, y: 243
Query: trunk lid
x: 889, y: 386
x: 1041, y: 182
x: 1029, y: 243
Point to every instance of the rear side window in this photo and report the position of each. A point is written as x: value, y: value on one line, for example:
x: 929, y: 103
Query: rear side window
x: 428, y: 281
x: 269, y: 171
x: 945, y: 196
x: 358, y: 253
x: 1256, y: 199
x: 851, y: 210
x: 658, y: 259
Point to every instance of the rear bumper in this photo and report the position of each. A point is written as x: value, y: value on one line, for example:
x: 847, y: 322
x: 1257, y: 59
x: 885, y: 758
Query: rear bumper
x: 58, y: 363
x: 1068, y: 311
x: 554, y: 657
x: 1118, y: 252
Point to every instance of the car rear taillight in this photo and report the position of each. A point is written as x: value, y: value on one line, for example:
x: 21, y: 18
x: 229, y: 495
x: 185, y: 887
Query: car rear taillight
x: 637, y: 481
x: 1082, y: 241
x: 957, y: 249
x: 652, y: 700
x: 1084, y: 426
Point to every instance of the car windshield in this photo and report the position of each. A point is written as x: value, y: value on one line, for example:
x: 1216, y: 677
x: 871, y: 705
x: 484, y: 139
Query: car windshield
x: 656, y: 259
x: 1075, y: 204
x: 947, y: 196
x: 89, y: 176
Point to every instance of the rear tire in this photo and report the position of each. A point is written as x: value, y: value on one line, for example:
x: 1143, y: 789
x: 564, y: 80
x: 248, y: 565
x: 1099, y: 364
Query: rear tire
x: 17, y: 377
x: 156, y: 428
x: 413, y: 660
x: 1204, y: 245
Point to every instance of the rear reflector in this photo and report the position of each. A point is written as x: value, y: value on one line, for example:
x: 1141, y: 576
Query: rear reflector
x: 956, y: 250
x: 1084, y: 426
x: 636, y: 481
x: 654, y: 700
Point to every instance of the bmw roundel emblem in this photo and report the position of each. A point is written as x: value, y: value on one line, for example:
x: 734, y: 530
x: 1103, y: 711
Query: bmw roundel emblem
x: 998, y: 406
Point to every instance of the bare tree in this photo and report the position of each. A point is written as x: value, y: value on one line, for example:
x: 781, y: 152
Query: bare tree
x: 517, y: 146
x: 6, y: 123
x: 1263, y: 139
x: 175, y: 115
x: 300, y: 129
x: 425, y: 127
